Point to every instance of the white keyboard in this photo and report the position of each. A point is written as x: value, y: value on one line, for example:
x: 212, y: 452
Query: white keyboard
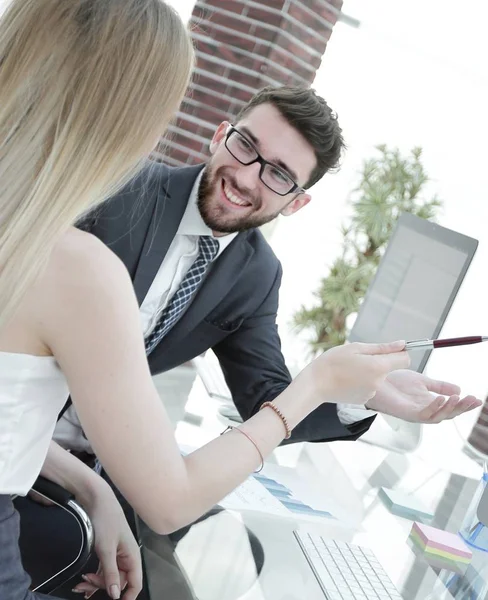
x: 344, y: 571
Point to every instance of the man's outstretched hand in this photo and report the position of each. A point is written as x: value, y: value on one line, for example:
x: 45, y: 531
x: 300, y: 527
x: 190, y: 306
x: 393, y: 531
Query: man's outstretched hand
x: 417, y: 398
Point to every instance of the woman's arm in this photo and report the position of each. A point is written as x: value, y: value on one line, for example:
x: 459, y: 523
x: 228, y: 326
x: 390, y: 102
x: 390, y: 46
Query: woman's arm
x: 115, y: 545
x: 73, y: 475
x: 90, y: 320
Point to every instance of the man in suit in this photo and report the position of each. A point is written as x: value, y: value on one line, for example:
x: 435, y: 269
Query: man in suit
x: 206, y: 278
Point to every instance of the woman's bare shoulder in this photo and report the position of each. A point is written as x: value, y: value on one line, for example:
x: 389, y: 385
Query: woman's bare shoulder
x: 81, y: 259
x: 83, y: 272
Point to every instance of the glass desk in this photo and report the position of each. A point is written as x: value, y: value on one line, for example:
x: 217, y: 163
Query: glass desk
x: 253, y: 556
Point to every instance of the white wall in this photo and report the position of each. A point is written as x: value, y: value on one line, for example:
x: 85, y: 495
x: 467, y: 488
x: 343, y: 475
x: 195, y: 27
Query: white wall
x: 414, y: 73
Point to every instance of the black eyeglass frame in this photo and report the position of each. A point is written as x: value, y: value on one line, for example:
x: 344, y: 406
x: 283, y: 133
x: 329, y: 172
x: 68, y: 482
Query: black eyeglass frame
x: 263, y: 162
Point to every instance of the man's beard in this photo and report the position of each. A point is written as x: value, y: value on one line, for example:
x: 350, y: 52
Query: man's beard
x: 216, y: 218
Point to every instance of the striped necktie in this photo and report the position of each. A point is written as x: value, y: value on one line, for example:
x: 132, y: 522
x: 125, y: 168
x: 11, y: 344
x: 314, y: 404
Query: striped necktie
x: 208, y: 248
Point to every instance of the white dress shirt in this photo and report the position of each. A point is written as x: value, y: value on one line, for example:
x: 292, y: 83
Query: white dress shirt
x: 181, y: 254
x: 178, y: 260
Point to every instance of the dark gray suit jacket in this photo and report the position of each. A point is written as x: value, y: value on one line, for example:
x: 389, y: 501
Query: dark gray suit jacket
x: 234, y: 311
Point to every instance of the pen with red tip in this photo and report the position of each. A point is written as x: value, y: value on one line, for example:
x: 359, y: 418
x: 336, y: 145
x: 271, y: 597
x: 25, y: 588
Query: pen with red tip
x: 431, y: 344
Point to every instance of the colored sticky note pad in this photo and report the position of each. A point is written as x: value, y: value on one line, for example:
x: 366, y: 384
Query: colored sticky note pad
x: 405, y: 505
x: 438, y: 562
x: 443, y: 554
x: 439, y: 543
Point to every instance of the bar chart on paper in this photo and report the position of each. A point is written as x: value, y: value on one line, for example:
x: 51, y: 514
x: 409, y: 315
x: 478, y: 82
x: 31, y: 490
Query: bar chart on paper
x: 277, y: 494
x: 286, y: 497
x: 280, y: 491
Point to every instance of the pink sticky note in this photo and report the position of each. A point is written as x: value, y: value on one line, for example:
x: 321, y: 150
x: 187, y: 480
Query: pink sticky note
x: 442, y: 540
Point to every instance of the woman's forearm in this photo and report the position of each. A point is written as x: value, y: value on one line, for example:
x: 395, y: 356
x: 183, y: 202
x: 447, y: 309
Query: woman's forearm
x: 72, y: 474
x: 234, y: 457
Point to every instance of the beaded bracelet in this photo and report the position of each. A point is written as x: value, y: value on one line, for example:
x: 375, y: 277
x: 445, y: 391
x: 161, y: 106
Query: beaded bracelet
x: 230, y: 428
x: 280, y: 415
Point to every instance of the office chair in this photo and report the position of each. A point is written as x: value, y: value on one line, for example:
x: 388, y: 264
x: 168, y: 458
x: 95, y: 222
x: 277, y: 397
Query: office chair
x: 53, y: 565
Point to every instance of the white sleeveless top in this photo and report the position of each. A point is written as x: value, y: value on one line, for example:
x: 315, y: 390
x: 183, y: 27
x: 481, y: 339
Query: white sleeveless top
x: 33, y: 391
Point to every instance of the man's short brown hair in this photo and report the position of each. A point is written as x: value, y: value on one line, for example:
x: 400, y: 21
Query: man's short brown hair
x: 310, y: 115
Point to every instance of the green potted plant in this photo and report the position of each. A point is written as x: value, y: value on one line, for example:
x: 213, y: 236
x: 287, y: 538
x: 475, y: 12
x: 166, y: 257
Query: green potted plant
x: 389, y: 184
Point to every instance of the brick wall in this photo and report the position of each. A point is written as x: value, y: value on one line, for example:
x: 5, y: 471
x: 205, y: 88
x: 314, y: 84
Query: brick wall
x: 241, y: 46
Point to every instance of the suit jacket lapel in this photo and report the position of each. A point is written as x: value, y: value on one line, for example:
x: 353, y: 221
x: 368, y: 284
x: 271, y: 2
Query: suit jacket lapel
x: 169, y: 208
x: 222, y: 277
x: 173, y: 194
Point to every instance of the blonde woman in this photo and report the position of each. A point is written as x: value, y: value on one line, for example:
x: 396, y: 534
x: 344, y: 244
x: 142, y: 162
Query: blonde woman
x: 86, y: 87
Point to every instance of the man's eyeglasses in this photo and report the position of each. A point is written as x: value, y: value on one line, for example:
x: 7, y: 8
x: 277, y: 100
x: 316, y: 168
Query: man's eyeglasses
x: 273, y: 177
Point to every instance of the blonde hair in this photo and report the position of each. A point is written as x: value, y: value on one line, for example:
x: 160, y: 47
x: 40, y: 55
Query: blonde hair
x: 85, y: 87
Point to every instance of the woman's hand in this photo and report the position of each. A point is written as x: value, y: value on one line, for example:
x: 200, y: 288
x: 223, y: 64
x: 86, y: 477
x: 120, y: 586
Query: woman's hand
x: 117, y: 550
x: 352, y: 373
x: 120, y: 558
